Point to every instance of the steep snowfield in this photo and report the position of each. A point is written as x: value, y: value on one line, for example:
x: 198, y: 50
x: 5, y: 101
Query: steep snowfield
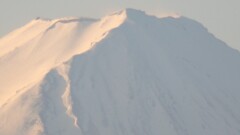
x: 125, y: 74
x: 27, y: 54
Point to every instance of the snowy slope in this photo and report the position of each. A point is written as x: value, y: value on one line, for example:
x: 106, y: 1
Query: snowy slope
x: 125, y: 74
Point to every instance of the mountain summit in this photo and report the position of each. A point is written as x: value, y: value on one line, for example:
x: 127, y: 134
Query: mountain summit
x: 125, y: 74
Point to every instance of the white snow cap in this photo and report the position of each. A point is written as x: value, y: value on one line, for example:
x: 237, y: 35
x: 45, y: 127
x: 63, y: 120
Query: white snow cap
x: 127, y: 73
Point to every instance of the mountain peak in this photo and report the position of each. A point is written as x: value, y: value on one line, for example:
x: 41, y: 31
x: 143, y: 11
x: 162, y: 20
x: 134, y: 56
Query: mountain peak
x: 126, y: 73
x: 130, y: 13
x: 133, y: 12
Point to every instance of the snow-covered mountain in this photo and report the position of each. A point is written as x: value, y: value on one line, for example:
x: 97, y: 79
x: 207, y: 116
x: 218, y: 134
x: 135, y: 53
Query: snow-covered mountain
x: 125, y: 74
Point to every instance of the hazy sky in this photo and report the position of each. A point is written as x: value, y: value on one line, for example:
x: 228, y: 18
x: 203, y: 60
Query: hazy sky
x: 221, y: 17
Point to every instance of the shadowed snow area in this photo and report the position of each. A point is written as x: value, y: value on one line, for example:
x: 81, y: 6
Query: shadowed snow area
x: 125, y: 74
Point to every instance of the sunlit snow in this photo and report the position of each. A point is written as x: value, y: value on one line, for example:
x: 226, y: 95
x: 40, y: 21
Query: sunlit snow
x: 125, y: 74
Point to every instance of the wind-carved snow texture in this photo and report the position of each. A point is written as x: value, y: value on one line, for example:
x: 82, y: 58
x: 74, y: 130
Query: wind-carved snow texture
x: 126, y: 74
x: 66, y: 97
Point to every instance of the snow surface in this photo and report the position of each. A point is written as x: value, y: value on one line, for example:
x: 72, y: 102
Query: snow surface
x: 125, y: 74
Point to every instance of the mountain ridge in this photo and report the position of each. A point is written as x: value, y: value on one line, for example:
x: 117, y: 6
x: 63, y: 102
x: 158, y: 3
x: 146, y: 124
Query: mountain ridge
x: 122, y: 74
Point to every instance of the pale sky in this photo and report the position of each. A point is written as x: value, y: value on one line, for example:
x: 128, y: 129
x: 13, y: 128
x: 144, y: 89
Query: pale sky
x: 221, y: 17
